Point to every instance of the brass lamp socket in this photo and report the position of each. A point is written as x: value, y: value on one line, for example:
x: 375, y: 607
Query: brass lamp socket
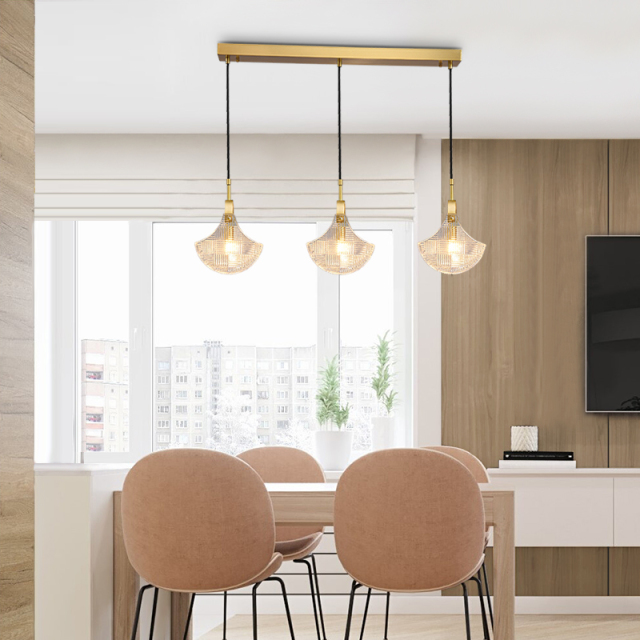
x: 452, y: 211
x: 228, y: 210
x: 341, y: 211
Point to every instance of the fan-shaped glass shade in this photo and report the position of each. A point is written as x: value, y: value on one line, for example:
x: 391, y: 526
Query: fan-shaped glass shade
x: 340, y: 250
x: 451, y: 250
x: 227, y: 249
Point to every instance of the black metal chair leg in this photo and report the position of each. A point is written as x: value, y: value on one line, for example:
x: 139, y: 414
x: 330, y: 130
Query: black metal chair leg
x: 224, y: 621
x: 386, y: 617
x: 186, y: 629
x: 354, y: 585
x: 286, y: 602
x: 153, y: 612
x: 254, y: 603
x: 136, y: 619
x: 466, y: 610
x: 485, y: 624
x: 364, y: 617
x: 315, y: 574
x: 487, y: 591
x: 313, y: 594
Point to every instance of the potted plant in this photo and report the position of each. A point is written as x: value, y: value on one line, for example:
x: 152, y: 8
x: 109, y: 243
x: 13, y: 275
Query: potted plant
x: 333, y: 441
x: 382, y: 425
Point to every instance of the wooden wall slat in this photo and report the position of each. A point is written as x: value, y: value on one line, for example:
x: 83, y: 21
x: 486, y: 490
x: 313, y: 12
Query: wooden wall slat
x: 513, y: 327
x: 624, y: 218
x: 16, y: 320
x: 624, y: 571
x: 556, y: 571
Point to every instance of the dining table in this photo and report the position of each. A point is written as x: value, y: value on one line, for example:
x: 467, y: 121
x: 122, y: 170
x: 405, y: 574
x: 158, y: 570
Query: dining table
x: 312, y: 504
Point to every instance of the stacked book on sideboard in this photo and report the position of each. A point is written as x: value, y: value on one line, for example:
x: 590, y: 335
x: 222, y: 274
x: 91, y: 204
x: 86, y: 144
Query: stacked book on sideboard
x: 537, y: 460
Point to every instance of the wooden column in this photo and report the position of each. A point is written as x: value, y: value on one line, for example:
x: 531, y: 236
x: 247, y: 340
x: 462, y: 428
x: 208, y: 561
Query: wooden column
x: 17, y: 181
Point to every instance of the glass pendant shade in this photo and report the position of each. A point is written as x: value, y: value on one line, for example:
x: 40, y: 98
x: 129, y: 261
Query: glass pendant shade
x: 340, y: 250
x: 228, y: 250
x: 451, y: 250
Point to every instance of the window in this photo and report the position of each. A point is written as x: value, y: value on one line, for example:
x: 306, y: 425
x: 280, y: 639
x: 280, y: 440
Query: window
x: 246, y: 394
x: 181, y: 424
x: 197, y: 424
x: 282, y: 424
x: 112, y: 435
x: 163, y: 437
x: 366, y: 395
x: 102, y: 303
x: 263, y: 424
x: 197, y: 439
x: 188, y: 336
x: 349, y: 395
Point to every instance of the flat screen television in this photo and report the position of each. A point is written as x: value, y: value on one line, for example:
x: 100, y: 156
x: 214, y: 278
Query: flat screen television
x: 613, y: 324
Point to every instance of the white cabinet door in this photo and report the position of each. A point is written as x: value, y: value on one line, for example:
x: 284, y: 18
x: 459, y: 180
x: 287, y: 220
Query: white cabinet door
x: 561, y: 511
x: 626, y: 512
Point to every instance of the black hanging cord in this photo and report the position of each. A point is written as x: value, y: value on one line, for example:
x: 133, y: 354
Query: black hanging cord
x: 339, y: 126
x: 450, y: 123
x: 228, y: 145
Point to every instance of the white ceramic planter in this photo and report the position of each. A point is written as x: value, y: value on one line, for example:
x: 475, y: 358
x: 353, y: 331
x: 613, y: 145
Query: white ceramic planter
x: 382, y: 433
x: 333, y: 449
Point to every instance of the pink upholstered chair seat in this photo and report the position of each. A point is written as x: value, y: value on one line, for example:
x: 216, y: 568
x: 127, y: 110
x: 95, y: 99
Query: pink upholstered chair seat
x: 299, y: 547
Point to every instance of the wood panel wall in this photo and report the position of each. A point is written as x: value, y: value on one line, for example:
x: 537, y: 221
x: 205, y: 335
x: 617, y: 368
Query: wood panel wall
x: 513, y: 327
x: 16, y: 319
x: 624, y: 218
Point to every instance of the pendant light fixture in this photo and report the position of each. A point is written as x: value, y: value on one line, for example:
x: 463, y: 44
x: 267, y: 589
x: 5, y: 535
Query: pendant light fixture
x: 451, y: 250
x: 228, y: 250
x: 340, y: 251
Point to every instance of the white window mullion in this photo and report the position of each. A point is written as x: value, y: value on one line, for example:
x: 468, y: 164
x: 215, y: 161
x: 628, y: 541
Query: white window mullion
x: 328, y: 312
x: 141, y: 337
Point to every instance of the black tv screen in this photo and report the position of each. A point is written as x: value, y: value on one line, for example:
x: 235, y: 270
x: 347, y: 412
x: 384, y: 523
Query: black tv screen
x: 613, y: 323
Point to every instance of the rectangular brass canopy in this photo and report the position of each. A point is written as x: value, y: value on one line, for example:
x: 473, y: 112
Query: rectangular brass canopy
x: 298, y: 54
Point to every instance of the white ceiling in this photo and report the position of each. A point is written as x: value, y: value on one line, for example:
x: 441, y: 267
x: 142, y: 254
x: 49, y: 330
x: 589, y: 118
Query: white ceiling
x: 530, y: 69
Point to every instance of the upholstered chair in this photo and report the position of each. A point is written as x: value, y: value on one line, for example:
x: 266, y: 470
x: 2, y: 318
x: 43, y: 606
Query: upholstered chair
x: 479, y: 472
x: 409, y: 520
x: 286, y: 464
x: 198, y: 521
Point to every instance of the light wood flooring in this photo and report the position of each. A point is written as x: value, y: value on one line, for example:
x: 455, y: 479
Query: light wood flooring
x: 435, y: 627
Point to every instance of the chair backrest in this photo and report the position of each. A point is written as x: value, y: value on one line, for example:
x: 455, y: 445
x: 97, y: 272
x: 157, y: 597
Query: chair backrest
x: 196, y: 520
x: 477, y: 469
x: 409, y: 520
x: 285, y: 464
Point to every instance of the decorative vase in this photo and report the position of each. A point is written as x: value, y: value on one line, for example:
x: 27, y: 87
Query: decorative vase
x: 524, y: 438
x: 382, y: 434
x: 333, y: 449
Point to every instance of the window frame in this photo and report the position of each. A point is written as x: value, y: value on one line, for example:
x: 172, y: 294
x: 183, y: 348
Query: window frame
x: 142, y: 373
